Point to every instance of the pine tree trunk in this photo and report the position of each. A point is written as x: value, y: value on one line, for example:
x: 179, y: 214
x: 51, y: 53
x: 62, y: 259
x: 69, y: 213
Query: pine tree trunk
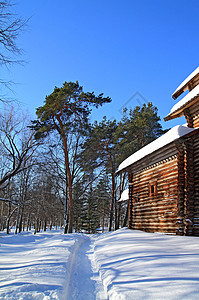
x: 65, y: 213
x: 70, y: 206
x: 116, y: 212
x: 69, y: 177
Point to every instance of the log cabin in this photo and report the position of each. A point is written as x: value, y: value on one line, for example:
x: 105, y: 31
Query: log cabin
x: 164, y: 175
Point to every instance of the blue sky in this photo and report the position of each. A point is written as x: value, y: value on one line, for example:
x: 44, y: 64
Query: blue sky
x: 120, y: 48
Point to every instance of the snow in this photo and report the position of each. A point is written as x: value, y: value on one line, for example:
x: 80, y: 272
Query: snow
x: 124, y: 196
x: 124, y: 264
x: 84, y: 280
x: 172, y: 135
x: 139, y: 265
x: 184, y: 101
x: 42, y: 266
x: 186, y: 81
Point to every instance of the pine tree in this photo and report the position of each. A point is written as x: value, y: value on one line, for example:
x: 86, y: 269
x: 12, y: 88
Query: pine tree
x: 100, y: 150
x: 138, y: 128
x: 103, y: 196
x: 66, y: 111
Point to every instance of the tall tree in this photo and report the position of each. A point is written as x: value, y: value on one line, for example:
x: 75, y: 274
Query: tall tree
x: 100, y: 149
x: 103, y: 195
x: 66, y: 111
x: 138, y: 128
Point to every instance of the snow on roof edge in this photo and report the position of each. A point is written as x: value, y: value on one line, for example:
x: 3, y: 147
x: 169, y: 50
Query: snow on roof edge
x: 124, y: 196
x: 188, y: 98
x: 186, y: 81
x: 172, y: 135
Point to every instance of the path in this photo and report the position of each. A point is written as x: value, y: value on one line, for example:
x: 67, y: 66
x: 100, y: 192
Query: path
x: 85, y: 283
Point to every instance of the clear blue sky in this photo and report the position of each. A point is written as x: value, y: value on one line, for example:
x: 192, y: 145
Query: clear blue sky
x: 118, y: 47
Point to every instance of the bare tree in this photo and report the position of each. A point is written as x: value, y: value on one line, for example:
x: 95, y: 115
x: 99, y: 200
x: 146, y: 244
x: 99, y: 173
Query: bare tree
x: 10, y: 27
x: 17, y: 146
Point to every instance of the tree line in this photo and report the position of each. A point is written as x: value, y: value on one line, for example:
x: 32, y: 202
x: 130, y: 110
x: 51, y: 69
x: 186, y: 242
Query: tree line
x: 60, y: 169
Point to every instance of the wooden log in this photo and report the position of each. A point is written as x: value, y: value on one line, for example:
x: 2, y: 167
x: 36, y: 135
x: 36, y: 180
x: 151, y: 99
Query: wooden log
x: 130, y: 204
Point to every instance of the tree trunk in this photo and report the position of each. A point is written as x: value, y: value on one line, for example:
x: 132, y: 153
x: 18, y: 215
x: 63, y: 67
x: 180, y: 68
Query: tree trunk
x: 126, y: 216
x: 45, y: 225
x: 103, y: 223
x: 69, y: 177
x: 21, y: 220
x: 35, y: 227
x: 112, y: 200
x: 51, y: 224
x: 1, y: 223
x: 8, y: 225
x: 70, y: 206
x: 28, y: 222
x: 10, y: 213
x: 118, y: 216
x: 17, y: 219
x: 66, y: 212
x: 122, y: 180
x: 116, y: 212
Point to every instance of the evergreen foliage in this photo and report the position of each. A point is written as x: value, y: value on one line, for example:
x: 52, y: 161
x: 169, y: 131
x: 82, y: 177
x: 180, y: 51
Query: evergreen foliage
x: 66, y: 111
x: 137, y: 128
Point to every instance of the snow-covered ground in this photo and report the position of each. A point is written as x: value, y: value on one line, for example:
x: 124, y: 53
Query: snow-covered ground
x: 139, y: 265
x: 121, y: 265
x: 48, y: 266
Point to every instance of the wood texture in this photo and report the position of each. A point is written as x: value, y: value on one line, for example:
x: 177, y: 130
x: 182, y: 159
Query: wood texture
x: 194, y: 114
x: 155, y: 212
x: 173, y: 204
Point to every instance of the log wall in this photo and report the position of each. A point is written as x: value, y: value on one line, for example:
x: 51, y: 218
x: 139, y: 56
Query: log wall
x: 164, y: 189
x: 156, y: 211
x: 192, y: 114
x: 196, y: 185
x: 186, y: 186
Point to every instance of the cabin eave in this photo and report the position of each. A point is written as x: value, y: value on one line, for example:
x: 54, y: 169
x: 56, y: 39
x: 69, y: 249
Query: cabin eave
x: 188, y: 84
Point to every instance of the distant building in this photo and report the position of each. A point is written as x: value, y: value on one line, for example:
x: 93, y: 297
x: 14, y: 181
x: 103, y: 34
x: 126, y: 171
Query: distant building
x: 164, y: 175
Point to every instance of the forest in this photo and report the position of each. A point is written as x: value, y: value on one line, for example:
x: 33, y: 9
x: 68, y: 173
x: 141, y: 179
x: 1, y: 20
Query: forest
x: 59, y: 168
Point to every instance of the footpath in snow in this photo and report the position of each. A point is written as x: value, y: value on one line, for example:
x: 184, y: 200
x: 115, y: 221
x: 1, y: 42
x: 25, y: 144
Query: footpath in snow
x: 84, y: 282
x: 121, y: 265
x: 48, y: 266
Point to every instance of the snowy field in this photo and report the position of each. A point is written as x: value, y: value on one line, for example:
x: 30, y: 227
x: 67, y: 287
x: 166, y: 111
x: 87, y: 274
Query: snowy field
x: 121, y: 265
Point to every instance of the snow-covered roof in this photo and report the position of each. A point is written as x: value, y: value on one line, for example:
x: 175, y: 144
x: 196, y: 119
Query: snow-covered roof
x: 181, y: 87
x: 185, y: 102
x: 124, y: 196
x: 172, y: 135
